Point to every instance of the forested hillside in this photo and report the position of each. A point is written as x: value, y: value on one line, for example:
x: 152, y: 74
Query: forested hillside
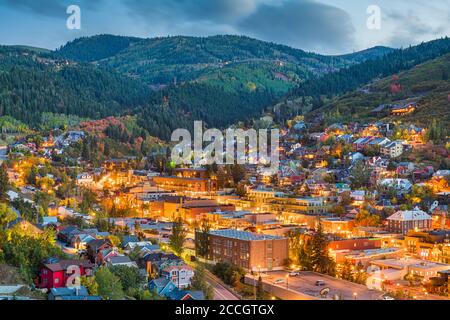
x: 170, y: 82
x: 315, y: 93
x: 428, y: 84
x: 31, y: 83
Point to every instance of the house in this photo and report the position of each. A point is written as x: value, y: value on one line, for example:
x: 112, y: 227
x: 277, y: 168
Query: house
x: 65, y: 234
x: 360, y: 143
x: 153, y: 260
x: 120, y: 261
x: 402, y: 186
x: 166, y: 288
x: 95, y: 247
x: 75, y: 293
x: 392, y: 149
x: 128, y: 239
x: 404, y: 221
x: 356, y: 156
x: 49, y: 221
x: 55, y: 273
x: 180, y: 275
x: 404, y: 109
x: 80, y: 241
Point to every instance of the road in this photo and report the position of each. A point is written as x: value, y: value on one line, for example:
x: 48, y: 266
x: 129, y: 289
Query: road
x: 306, y: 283
x: 220, y: 291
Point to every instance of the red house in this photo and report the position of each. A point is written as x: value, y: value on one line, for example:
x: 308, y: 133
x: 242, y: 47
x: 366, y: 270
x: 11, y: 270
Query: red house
x: 56, y: 274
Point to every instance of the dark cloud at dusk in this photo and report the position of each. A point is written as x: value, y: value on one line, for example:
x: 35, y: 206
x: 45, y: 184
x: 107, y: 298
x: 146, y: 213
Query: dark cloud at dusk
x: 314, y: 25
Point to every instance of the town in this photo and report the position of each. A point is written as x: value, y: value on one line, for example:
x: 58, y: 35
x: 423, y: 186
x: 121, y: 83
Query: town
x: 355, y: 212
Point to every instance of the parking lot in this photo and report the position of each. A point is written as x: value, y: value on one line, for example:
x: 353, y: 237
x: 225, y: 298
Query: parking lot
x: 305, y: 283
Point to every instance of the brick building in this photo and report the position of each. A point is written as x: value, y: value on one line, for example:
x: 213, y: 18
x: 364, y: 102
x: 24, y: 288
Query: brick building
x: 251, y: 251
x: 403, y: 221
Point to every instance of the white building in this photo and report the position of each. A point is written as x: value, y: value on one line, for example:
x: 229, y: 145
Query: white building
x: 400, y: 185
x: 393, y: 149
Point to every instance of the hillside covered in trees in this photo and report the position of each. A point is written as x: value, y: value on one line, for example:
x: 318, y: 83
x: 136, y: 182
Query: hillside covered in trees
x: 428, y: 84
x: 167, y: 83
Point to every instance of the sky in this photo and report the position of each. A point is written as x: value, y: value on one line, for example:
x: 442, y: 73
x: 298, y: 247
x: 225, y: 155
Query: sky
x: 322, y: 26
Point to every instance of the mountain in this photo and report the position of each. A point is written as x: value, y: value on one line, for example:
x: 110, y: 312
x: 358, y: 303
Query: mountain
x: 90, y: 49
x: 230, y: 62
x: 428, y: 84
x: 313, y: 94
x: 368, y: 54
x: 167, y: 83
x: 33, y: 82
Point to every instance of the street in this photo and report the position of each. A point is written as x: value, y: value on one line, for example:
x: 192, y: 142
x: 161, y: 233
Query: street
x: 220, y: 292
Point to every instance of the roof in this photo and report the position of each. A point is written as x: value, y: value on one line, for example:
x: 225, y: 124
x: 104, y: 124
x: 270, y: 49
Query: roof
x: 159, y: 282
x: 243, y: 235
x: 64, y: 264
x: 120, y: 260
x: 81, y: 291
x: 413, y: 215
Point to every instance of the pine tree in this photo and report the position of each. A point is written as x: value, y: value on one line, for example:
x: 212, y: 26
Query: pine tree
x: 178, y: 237
x: 202, y: 239
x: 260, y: 289
x: 320, y: 259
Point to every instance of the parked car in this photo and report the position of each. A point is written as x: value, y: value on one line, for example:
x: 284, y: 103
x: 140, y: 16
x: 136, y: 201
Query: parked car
x: 278, y: 281
x: 294, y: 274
x: 320, y: 283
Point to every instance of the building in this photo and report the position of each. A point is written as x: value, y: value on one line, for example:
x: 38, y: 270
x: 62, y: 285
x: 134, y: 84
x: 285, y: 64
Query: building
x: 392, y: 149
x: 180, y: 275
x: 404, y: 221
x: 56, y: 273
x: 401, y: 186
x: 251, y: 251
x: 263, y: 195
x: 421, y: 268
x: 187, y: 180
x: 195, y: 210
x: 182, y: 184
x: 354, y: 244
x: 338, y: 225
x: 404, y: 109
x: 312, y: 205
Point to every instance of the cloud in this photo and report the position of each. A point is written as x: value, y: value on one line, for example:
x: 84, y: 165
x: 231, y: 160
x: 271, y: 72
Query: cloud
x: 411, y: 28
x: 50, y: 8
x: 218, y: 11
x: 302, y: 23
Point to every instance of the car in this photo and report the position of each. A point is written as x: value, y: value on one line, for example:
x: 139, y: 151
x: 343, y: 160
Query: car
x: 278, y: 281
x: 320, y: 283
x: 294, y: 274
x: 388, y: 298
